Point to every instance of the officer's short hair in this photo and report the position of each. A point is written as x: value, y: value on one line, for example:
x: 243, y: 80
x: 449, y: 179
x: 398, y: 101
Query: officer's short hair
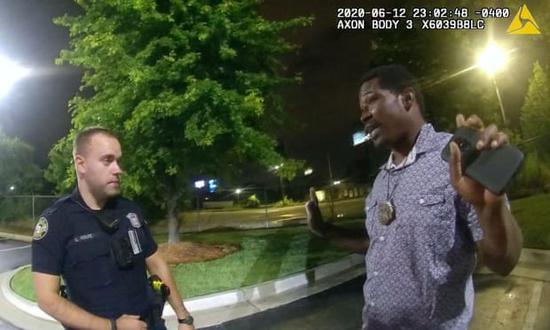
x: 395, y: 78
x: 83, y: 137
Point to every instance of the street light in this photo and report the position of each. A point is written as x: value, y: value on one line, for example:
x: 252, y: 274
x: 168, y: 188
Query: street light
x: 11, y: 72
x: 238, y: 191
x: 199, y: 185
x: 491, y: 60
x: 275, y: 170
x: 308, y: 171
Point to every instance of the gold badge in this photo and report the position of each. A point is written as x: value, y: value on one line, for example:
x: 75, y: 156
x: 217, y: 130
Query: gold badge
x: 386, y: 213
x: 41, y: 229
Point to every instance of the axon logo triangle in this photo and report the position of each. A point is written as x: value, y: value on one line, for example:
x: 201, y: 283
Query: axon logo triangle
x: 523, y: 23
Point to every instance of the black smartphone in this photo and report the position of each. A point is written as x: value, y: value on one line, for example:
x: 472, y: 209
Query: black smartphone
x: 493, y: 168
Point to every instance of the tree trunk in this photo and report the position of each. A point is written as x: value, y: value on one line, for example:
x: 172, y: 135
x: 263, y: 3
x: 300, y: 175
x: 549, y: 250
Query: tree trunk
x: 173, y: 222
x: 283, y: 193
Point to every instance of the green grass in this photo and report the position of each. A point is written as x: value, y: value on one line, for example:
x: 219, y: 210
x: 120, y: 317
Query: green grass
x: 21, y: 283
x: 265, y: 254
x: 533, y: 216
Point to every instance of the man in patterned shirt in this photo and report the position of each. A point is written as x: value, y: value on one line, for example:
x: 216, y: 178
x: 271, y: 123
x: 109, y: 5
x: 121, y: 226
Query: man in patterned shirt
x: 425, y: 220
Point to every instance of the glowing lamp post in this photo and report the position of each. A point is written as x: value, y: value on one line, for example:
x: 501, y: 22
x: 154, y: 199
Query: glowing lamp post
x: 492, y: 60
x: 11, y: 72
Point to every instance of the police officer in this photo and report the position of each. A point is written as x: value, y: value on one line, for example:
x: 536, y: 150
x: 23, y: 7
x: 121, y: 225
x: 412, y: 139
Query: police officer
x: 101, y: 246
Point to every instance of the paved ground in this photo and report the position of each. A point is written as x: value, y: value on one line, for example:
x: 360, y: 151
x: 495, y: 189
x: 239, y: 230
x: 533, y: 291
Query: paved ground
x: 511, y: 303
x: 12, y: 254
x: 265, y: 218
x: 337, y: 308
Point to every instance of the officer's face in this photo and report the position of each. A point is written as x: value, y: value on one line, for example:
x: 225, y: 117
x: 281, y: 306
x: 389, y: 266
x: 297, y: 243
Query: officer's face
x: 100, y: 166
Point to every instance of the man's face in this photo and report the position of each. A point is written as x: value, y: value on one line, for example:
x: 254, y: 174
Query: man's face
x: 382, y: 114
x: 99, y: 165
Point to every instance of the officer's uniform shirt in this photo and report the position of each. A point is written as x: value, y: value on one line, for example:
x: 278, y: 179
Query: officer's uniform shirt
x: 69, y: 241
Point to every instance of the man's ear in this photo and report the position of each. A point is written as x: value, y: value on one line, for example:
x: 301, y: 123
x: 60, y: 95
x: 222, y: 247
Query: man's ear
x: 407, y: 98
x: 79, y: 164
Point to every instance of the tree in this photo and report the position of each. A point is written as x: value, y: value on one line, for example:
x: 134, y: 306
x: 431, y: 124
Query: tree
x: 287, y: 171
x: 535, y: 113
x: 189, y: 86
x: 18, y: 173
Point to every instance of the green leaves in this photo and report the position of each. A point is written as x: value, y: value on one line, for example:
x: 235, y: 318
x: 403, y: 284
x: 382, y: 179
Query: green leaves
x: 188, y: 86
x: 17, y: 168
x: 535, y: 113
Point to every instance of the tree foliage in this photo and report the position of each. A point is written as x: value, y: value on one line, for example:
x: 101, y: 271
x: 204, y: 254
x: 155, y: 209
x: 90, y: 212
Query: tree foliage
x: 535, y: 113
x: 189, y: 86
x: 17, y: 169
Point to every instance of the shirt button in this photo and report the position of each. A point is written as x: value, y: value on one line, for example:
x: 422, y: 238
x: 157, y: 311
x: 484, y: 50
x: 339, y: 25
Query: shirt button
x: 421, y: 201
x: 381, y: 238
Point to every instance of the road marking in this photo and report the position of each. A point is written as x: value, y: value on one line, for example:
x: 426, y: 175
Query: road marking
x: 16, y: 248
x: 531, y: 317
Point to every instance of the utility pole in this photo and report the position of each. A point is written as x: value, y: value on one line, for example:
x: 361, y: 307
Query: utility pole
x: 330, y: 187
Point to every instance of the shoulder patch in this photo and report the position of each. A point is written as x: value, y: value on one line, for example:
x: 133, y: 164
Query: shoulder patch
x: 134, y: 220
x: 41, y: 229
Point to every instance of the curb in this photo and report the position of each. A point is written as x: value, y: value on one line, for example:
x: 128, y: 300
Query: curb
x: 218, y: 307
x: 535, y: 256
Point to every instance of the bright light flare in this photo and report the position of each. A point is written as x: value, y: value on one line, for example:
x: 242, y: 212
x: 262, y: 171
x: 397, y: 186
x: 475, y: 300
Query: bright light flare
x: 492, y: 59
x: 10, y: 73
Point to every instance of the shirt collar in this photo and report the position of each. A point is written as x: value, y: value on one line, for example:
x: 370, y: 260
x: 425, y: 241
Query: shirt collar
x: 77, y: 197
x: 411, y: 157
x: 423, y: 144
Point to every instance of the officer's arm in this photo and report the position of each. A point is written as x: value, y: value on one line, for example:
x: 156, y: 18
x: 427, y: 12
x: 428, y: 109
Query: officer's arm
x: 46, y: 287
x: 156, y: 265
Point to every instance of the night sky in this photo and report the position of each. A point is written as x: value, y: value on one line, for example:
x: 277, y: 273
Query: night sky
x: 36, y: 108
x: 324, y: 107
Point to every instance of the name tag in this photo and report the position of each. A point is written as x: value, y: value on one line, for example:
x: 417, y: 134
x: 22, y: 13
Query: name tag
x: 134, y: 241
x: 84, y: 237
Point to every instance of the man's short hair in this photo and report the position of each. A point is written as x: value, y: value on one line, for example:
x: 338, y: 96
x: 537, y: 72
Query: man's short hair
x: 83, y: 137
x: 395, y: 78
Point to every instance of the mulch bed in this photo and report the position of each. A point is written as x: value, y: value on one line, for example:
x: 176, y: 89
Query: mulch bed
x: 186, y: 252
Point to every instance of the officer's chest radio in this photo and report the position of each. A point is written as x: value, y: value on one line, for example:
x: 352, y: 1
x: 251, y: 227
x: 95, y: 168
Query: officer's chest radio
x: 121, y: 247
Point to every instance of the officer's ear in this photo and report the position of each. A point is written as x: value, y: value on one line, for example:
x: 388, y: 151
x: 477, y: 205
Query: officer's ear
x: 79, y: 163
x: 407, y: 98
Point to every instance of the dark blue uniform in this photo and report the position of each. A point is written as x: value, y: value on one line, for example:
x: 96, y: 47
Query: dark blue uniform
x: 69, y: 241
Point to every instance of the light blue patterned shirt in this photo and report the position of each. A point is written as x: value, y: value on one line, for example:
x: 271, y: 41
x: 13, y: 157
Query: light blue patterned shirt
x: 419, y: 267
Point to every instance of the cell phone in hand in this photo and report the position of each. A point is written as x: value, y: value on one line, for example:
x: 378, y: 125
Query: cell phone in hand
x: 492, y: 168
